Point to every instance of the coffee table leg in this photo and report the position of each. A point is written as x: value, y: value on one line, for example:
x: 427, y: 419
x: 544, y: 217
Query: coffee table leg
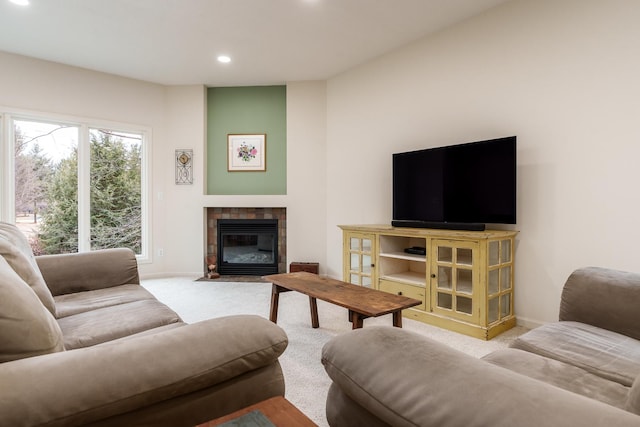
x: 356, y: 320
x: 397, y: 319
x: 313, y: 304
x: 275, y: 297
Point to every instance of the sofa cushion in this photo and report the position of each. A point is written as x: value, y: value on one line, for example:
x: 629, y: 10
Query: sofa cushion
x: 180, y: 377
x: 109, y: 323
x: 603, y: 353
x: 407, y: 379
x: 15, y: 248
x: 603, y: 297
x: 80, y: 302
x: 27, y: 328
x: 561, y: 375
x: 154, y: 331
x: 633, y: 399
x: 88, y: 271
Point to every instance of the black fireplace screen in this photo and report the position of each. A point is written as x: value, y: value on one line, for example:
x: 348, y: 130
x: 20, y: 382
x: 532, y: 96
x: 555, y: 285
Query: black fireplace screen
x: 248, y: 246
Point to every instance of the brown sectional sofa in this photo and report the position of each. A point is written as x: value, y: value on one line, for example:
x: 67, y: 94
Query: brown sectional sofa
x: 82, y: 343
x: 583, y: 370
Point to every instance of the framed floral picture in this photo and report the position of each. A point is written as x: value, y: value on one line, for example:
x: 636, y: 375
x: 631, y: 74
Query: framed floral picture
x: 247, y: 152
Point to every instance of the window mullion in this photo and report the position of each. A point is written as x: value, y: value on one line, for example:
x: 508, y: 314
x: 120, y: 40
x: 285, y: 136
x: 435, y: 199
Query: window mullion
x: 84, y: 190
x: 7, y: 161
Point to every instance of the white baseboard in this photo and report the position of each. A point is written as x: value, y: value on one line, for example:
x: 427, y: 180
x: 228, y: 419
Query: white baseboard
x: 528, y: 323
x: 150, y: 276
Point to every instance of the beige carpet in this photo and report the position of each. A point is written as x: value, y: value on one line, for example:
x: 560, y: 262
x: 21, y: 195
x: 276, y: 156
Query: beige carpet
x: 306, y: 381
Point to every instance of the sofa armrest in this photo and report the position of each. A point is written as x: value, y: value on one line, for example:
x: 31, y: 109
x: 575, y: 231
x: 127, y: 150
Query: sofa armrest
x: 76, y: 272
x: 604, y: 298
x: 82, y: 386
x: 405, y: 379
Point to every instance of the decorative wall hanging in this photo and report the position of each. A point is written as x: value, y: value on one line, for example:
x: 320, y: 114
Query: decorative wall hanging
x: 247, y: 152
x: 184, y: 167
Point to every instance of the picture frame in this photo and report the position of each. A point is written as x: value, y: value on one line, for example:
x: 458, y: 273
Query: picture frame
x: 247, y: 152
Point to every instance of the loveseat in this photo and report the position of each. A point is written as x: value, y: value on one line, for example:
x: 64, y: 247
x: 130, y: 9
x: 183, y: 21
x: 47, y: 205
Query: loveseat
x: 83, y: 343
x: 583, y: 370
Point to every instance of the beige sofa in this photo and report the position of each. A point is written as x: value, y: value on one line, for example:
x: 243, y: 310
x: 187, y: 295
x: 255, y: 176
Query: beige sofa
x: 82, y: 343
x: 583, y: 370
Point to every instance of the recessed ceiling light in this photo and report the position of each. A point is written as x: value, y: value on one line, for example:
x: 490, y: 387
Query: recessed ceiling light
x: 224, y: 59
x: 20, y: 2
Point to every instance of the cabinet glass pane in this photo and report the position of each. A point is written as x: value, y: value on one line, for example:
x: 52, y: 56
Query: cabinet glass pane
x: 464, y: 256
x: 366, y: 245
x: 494, y: 282
x: 493, y: 310
x: 355, y: 262
x: 355, y: 244
x: 366, y: 263
x: 506, y: 251
x: 464, y: 282
x: 355, y: 279
x: 494, y: 252
x: 366, y: 281
x: 505, y: 278
x: 445, y: 254
x: 444, y: 277
x: 444, y: 301
x: 505, y: 305
x: 463, y: 304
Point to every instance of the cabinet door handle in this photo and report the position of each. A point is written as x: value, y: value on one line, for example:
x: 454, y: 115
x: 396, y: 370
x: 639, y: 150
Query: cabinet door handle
x: 400, y: 293
x: 433, y: 276
x: 373, y: 265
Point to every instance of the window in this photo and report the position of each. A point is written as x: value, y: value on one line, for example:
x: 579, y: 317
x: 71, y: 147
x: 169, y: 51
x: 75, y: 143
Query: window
x: 115, y: 189
x: 73, y: 186
x: 46, y: 184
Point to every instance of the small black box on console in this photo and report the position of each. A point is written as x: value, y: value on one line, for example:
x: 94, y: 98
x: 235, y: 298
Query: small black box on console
x: 416, y: 250
x: 310, y: 267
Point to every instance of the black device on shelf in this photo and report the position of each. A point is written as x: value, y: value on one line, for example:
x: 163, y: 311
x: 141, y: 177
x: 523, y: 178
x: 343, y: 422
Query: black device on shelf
x: 416, y: 250
x: 460, y: 187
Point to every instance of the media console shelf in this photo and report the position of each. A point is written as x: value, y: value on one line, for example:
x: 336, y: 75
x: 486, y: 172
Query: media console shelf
x: 464, y: 281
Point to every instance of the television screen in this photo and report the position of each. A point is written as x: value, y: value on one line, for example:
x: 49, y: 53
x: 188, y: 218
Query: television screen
x: 458, y: 186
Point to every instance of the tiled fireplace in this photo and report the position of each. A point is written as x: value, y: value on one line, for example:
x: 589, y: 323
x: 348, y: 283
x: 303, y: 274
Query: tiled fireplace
x: 259, y: 252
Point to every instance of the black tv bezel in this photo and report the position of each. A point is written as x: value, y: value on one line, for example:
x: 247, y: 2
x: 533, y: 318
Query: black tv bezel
x: 448, y: 222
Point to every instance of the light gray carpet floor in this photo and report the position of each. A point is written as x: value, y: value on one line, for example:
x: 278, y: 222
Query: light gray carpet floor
x: 305, y: 379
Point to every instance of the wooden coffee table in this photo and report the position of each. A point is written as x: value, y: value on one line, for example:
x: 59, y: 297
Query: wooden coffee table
x: 360, y: 301
x: 278, y: 410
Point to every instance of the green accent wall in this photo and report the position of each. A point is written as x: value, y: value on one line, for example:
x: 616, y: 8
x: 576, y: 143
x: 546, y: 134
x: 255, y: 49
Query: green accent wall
x: 247, y: 110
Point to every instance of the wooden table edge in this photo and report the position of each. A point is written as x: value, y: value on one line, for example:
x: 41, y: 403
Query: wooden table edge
x: 277, y: 409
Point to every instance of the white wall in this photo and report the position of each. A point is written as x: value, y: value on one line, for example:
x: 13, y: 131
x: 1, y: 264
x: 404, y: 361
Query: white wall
x: 177, y: 118
x: 178, y: 229
x: 562, y: 76
x: 306, y: 172
x: 41, y: 87
x: 31, y: 84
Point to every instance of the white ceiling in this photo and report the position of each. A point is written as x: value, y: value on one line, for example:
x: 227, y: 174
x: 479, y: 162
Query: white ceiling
x: 176, y: 42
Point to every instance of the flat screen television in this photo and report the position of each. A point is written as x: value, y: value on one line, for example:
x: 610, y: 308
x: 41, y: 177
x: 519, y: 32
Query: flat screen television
x: 461, y: 186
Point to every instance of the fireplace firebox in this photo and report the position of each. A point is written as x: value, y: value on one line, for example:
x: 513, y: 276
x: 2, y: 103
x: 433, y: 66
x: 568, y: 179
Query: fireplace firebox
x: 247, y: 246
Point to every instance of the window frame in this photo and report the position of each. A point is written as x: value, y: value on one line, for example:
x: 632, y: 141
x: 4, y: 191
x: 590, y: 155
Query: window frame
x: 7, y: 172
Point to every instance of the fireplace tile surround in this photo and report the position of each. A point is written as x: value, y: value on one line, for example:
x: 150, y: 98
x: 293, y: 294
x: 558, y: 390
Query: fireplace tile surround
x: 215, y: 213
